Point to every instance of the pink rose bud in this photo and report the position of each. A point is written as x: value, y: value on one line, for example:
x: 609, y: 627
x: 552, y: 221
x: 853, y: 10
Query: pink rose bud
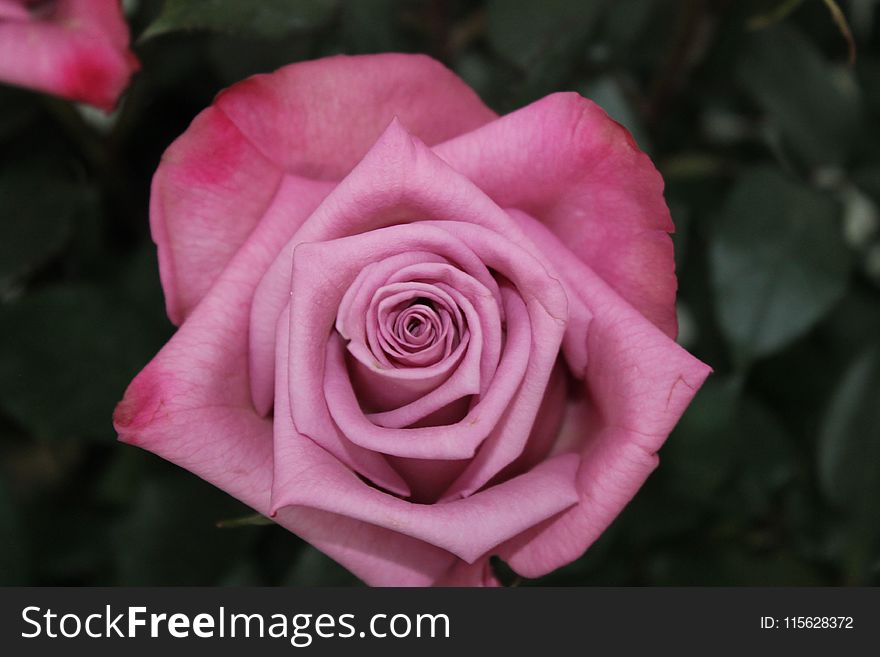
x: 413, y: 332
x: 76, y: 49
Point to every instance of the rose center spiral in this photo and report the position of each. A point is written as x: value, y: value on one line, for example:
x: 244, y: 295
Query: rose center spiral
x: 415, y: 330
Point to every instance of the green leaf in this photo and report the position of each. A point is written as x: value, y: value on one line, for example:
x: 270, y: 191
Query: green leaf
x: 251, y: 520
x: 730, y: 566
x: 657, y: 514
x: 849, y: 446
x: 489, y: 77
x: 367, y: 26
x: 314, y: 568
x: 849, y: 461
x: 868, y: 179
x: 123, y: 476
x: 777, y: 14
x: 626, y: 21
x: 868, y: 72
x: 700, y: 454
x: 67, y: 354
x: 766, y: 457
x: 37, y: 204
x: 234, y: 57
x: 263, y: 19
x: 12, y: 550
x: 244, y: 573
x: 170, y: 536
x: 778, y: 262
x: 607, y: 92
x: 728, y: 450
x: 524, y: 31
x: 16, y: 112
x: 814, y: 105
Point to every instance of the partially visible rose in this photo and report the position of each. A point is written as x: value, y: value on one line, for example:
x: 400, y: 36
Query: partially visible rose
x: 414, y: 333
x: 76, y: 49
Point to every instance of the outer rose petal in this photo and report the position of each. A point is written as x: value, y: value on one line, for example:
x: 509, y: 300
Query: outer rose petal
x: 468, y: 527
x: 462, y: 573
x: 209, y: 193
x: 562, y: 160
x: 312, y: 120
x: 319, y: 118
x: 379, y: 556
x: 638, y: 384
x: 79, y: 50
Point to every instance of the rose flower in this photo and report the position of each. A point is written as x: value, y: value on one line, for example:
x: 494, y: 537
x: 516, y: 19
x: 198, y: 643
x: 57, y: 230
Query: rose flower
x: 76, y: 49
x: 412, y: 332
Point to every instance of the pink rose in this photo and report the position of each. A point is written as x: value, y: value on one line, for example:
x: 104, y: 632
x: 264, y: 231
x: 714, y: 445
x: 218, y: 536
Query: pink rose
x: 77, y: 49
x: 414, y: 333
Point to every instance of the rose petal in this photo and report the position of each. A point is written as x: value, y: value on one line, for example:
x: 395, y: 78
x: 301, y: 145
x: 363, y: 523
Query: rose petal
x: 462, y: 573
x: 210, y: 191
x: 376, y: 554
x: 467, y: 528
x: 424, y: 442
x: 388, y: 389
x: 563, y: 161
x: 638, y: 384
x: 511, y: 433
x: 318, y: 118
x: 427, y: 478
x: 379, y: 556
x: 367, y: 463
x: 545, y: 438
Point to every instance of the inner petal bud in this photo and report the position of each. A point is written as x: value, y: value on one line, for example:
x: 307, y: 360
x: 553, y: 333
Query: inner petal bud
x: 416, y: 325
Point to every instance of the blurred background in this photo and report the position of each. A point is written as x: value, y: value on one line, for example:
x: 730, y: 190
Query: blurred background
x: 762, y: 117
